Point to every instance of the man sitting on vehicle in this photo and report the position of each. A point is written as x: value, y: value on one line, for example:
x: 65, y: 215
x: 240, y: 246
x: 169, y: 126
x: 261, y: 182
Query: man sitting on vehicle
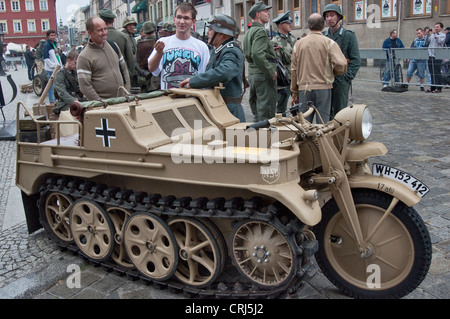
x: 66, y: 84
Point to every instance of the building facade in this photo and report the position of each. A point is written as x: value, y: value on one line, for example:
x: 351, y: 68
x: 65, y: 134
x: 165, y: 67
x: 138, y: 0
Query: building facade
x: 27, y: 21
x: 371, y: 20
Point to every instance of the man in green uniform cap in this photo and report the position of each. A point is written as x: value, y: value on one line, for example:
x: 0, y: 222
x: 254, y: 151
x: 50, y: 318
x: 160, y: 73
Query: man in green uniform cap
x: 119, y: 38
x: 346, y: 39
x: 226, y: 64
x: 284, y: 44
x: 259, y: 52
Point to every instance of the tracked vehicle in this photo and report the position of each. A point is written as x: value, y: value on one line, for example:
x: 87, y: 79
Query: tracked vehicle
x: 169, y: 187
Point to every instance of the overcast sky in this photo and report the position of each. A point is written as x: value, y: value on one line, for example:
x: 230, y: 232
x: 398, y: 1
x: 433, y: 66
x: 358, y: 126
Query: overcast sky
x: 66, y: 8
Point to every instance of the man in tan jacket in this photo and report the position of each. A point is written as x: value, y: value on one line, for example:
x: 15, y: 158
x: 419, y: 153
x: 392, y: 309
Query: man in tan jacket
x: 316, y: 59
x: 101, y: 69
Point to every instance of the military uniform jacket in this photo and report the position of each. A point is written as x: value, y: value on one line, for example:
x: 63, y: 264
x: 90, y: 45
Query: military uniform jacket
x: 66, y: 86
x: 144, y: 49
x: 226, y: 65
x: 125, y: 46
x: 259, y: 52
x: 287, y: 43
x: 346, y: 39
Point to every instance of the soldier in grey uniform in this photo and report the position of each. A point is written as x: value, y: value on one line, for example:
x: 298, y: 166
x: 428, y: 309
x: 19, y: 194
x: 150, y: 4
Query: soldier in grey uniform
x: 261, y: 57
x: 120, y: 38
x: 226, y: 64
x: 284, y: 44
x: 346, y: 39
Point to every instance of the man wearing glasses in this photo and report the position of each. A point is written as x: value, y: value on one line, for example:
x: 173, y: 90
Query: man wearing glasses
x: 179, y: 56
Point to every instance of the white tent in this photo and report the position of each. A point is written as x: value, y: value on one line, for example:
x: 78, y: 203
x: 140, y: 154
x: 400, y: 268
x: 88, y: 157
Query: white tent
x: 16, y: 47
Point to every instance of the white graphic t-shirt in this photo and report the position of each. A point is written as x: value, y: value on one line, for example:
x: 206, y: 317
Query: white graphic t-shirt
x: 182, y: 59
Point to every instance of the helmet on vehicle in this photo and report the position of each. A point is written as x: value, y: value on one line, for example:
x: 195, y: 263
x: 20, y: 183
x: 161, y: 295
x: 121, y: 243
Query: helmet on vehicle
x: 333, y: 7
x: 221, y: 23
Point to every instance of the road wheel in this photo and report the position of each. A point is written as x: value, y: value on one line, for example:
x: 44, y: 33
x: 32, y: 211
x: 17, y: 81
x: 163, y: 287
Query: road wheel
x: 92, y: 229
x: 54, y: 211
x: 118, y: 217
x: 39, y: 83
x: 263, y: 254
x: 398, y: 253
x: 200, y: 256
x: 151, y: 246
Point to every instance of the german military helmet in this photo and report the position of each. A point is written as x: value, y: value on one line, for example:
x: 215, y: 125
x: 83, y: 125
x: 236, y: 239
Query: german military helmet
x: 221, y: 23
x: 128, y: 21
x: 148, y: 27
x: 283, y: 18
x: 168, y: 26
x: 335, y: 8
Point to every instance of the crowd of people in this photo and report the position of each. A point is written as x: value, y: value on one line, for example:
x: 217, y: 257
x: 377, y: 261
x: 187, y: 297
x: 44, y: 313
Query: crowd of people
x: 319, y: 67
x: 429, y: 71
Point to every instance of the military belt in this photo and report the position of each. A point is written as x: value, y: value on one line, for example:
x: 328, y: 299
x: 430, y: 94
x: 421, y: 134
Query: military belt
x: 269, y: 60
x: 233, y: 100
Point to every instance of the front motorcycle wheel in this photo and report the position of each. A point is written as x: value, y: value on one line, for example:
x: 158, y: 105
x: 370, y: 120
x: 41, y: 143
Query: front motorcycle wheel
x: 398, y: 253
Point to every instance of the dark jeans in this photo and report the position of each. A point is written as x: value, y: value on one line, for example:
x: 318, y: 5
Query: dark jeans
x: 434, y: 65
x: 30, y: 72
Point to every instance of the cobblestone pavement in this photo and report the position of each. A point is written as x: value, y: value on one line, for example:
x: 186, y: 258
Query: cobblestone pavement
x: 413, y: 125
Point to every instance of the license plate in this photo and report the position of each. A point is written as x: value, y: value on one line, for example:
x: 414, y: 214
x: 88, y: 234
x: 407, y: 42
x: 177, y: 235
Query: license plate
x: 398, y: 175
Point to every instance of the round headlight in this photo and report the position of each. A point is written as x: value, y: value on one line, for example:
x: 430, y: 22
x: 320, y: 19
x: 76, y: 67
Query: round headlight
x: 366, y: 127
x: 360, y: 120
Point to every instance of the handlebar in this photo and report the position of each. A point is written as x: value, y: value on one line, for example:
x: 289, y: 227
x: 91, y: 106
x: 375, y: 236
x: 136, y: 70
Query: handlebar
x: 306, y: 110
x: 259, y: 125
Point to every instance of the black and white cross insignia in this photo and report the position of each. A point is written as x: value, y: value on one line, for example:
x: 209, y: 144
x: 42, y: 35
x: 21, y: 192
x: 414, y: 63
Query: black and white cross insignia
x: 105, y: 133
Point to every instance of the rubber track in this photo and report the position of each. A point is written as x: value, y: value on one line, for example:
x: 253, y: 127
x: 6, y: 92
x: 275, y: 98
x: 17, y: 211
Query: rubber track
x: 170, y: 206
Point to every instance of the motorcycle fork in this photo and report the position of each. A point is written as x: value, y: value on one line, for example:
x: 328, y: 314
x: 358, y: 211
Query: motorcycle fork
x: 333, y: 169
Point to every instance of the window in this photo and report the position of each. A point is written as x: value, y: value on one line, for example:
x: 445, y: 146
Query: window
x: 160, y: 13
x: 296, y: 13
x: 448, y: 7
x: 314, y: 6
x: 31, y: 25
x: 15, y: 6
x: 3, y: 26
x: 240, y: 12
x: 359, y: 10
x: 2, y: 6
x: 45, y: 25
x: 388, y: 9
x: 43, y: 5
x: 420, y: 7
x: 17, y: 25
x: 280, y: 6
x: 29, y: 5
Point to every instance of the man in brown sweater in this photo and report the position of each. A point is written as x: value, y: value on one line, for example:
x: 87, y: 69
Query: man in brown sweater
x: 101, y: 69
x: 316, y: 59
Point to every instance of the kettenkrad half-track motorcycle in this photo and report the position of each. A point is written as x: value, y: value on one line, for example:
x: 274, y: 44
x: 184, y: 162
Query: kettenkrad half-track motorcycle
x: 169, y: 187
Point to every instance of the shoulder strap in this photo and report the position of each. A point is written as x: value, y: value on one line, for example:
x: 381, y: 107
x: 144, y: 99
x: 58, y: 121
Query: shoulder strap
x: 114, y: 46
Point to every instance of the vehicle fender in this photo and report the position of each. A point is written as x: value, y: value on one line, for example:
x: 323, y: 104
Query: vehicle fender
x: 292, y: 196
x: 386, y: 185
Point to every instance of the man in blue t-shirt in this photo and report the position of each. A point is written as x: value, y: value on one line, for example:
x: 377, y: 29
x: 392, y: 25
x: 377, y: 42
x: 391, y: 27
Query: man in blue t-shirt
x: 418, y: 64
